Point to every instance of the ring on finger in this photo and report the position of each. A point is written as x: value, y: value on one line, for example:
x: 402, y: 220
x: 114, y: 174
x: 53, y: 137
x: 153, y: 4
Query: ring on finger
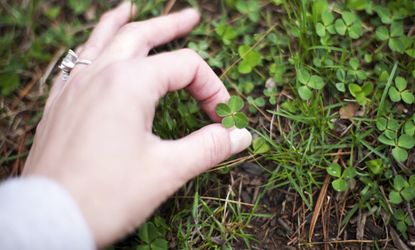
x: 69, y: 62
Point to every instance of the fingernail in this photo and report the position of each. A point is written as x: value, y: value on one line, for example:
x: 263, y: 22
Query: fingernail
x: 126, y: 3
x: 240, y: 140
x: 191, y: 13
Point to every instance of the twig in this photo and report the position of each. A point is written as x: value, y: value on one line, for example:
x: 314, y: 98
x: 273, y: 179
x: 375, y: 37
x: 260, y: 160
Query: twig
x: 217, y: 199
x: 409, y: 210
x: 317, y: 208
x: 320, y: 200
x: 397, y: 241
x: 341, y: 242
x: 168, y: 7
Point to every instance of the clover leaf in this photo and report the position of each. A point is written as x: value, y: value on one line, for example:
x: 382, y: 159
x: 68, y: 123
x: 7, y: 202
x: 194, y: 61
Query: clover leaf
x: 360, y: 93
x: 259, y: 101
x: 390, y: 127
x: 399, y: 92
x: 310, y: 82
x: 341, y: 77
x: 260, y: 146
x: 326, y: 25
x: 250, y: 59
x: 375, y: 166
x: 386, y: 15
x: 230, y: 113
x: 355, y: 72
x: 389, y: 137
x: 334, y: 170
x: 341, y: 182
x: 402, y: 221
x: 271, y: 93
x: 402, y: 190
x: 404, y: 143
x: 152, y: 237
x: 350, y: 24
x: 201, y: 48
x: 397, y: 41
x: 226, y: 32
x: 250, y: 8
x: 409, y: 128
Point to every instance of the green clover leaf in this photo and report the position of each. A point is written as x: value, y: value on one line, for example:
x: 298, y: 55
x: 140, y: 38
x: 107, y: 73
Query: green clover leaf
x: 305, y: 93
x: 226, y: 32
x: 395, y: 197
x: 241, y: 120
x: 326, y: 26
x: 228, y: 122
x: 310, y: 82
x: 406, y: 141
x: 399, y: 154
x: 339, y: 185
x: 408, y: 193
x: 361, y: 92
x: 382, y: 33
x: 349, y: 23
x: 250, y: 59
x: 334, y: 170
x: 235, y: 103
x: 375, y: 166
x: 223, y: 110
x: 260, y: 146
x: 399, y: 92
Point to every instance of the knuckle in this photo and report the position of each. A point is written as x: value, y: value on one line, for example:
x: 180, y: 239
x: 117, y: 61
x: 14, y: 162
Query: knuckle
x: 119, y: 81
x: 133, y: 28
x: 127, y: 28
x: 107, y: 17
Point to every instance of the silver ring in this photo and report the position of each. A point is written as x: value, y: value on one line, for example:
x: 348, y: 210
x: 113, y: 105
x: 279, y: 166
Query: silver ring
x: 69, y: 62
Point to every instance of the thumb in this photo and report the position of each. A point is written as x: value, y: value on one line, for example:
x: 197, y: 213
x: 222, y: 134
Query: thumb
x: 204, y: 149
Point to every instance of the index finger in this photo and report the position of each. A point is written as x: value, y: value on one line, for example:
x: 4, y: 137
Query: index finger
x: 186, y: 69
x: 136, y: 39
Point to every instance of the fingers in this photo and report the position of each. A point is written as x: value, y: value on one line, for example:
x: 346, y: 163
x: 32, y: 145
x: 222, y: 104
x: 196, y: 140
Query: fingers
x: 204, y: 149
x: 108, y: 25
x: 137, y: 38
x: 105, y: 30
x: 186, y: 69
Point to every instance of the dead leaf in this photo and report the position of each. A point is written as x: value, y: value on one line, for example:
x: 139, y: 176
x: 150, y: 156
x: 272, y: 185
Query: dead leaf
x: 270, y: 83
x: 349, y: 111
x: 91, y: 13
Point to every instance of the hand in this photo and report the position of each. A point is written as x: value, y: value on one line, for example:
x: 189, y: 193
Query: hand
x: 95, y: 137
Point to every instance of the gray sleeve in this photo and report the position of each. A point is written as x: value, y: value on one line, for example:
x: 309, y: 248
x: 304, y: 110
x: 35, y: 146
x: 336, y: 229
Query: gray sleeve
x: 36, y: 213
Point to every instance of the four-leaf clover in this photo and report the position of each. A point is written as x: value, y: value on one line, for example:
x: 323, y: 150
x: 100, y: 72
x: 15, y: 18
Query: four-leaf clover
x: 230, y: 112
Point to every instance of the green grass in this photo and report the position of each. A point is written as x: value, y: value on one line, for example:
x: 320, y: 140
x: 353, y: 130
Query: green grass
x: 260, y: 49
